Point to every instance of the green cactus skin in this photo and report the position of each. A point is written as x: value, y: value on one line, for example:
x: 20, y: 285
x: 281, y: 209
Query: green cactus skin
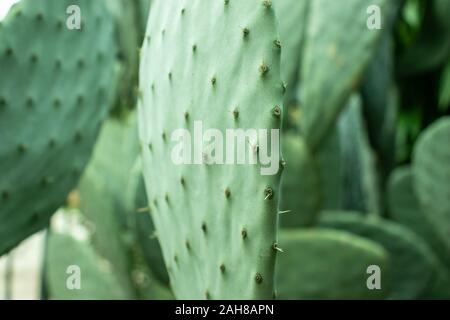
x: 130, y: 17
x: 300, y: 191
x: 54, y: 93
x: 362, y: 186
x: 330, y: 170
x: 431, y: 170
x: 444, y: 89
x: 143, y: 8
x: 151, y: 249
x: 404, y: 207
x: 431, y: 48
x: 380, y: 103
x: 98, y: 282
x: 218, y: 62
x: 113, y: 212
x: 338, y: 46
x: 328, y: 264
x: 413, y: 265
x: 292, y: 21
x: 103, y: 200
x: 311, y: 182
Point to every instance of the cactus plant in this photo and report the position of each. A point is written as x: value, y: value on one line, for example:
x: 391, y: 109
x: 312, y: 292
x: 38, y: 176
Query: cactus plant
x: 404, y: 207
x: 216, y: 224
x: 413, y: 265
x: 432, y: 175
x: 291, y: 15
x: 330, y: 170
x: 130, y: 17
x: 151, y: 249
x: 68, y: 256
x: 328, y: 264
x: 108, y: 192
x: 48, y: 83
x: 379, y: 103
x: 333, y: 62
x: 362, y: 188
x: 300, y: 193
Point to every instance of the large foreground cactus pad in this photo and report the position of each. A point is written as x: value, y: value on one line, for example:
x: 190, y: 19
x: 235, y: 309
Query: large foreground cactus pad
x: 217, y: 62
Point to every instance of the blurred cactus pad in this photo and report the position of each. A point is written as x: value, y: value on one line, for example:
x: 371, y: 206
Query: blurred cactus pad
x: 122, y: 123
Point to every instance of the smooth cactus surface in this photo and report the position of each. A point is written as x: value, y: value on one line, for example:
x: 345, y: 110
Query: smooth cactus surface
x: 432, y: 175
x: 410, y: 257
x: 333, y: 61
x: 67, y: 254
x: 110, y: 198
x: 330, y: 170
x: 103, y: 199
x: 217, y: 62
x: 300, y: 192
x: 359, y: 162
x: 52, y: 103
x: 379, y: 101
x: 151, y: 249
x: 404, y: 207
x: 328, y: 264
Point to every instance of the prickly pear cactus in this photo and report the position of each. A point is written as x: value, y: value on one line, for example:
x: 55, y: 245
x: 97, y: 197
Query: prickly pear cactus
x: 108, y: 192
x: 328, y: 264
x: 68, y: 258
x: 359, y: 162
x: 130, y: 17
x: 55, y: 87
x: 292, y: 20
x: 432, y: 175
x: 413, y: 265
x: 300, y: 192
x: 217, y: 62
x: 333, y: 61
x: 404, y: 207
x: 151, y: 249
x: 102, y: 197
x: 379, y: 101
x: 330, y: 171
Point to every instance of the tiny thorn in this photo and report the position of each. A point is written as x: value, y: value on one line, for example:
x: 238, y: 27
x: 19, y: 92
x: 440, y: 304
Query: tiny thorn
x: 285, y: 211
x: 277, y: 248
x: 143, y: 210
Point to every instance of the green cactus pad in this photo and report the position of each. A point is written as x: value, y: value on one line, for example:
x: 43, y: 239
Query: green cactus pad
x: 379, y: 102
x: 338, y: 46
x: 97, y: 281
x: 108, y: 193
x: 431, y: 171
x: 151, y: 249
x: 130, y: 17
x: 300, y: 191
x: 328, y: 264
x: 292, y: 21
x: 217, y: 62
x: 404, y: 207
x: 55, y: 90
x: 330, y: 170
x: 103, y: 200
x: 412, y: 263
x: 360, y: 172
